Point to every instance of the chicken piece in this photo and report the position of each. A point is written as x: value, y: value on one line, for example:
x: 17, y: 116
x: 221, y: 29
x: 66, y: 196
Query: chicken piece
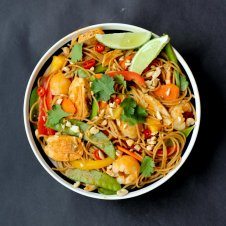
x: 59, y: 84
x: 63, y: 148
x: 89, y: 37
x: 126, y: 169
x: 79, y: 94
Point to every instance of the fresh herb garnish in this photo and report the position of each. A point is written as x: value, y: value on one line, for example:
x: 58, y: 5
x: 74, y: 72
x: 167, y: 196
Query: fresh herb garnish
x: 76, y: 53
x: 103, y: 88
x: 147, y: 166
x: 119, y: 79
x: 132, y: 113
x: 55, y: 115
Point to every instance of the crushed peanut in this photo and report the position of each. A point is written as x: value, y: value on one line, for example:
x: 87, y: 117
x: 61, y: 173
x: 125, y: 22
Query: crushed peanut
x: 93, y: 130
x: 130, y: 142
x: 122, y: 192
x: 190, y: 122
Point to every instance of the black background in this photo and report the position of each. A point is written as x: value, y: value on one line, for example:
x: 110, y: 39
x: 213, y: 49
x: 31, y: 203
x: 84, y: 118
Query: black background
x: 194, y: 196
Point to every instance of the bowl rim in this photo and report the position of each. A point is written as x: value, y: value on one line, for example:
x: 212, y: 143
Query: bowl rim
x: 39, y: 65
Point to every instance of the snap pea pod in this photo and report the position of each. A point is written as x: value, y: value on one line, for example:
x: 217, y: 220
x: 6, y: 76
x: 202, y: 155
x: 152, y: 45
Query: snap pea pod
x: 171, y: 55
x: 33, y: 97
x: 100, y: 69
x: 106, y: 191
x: 34, y: 112
x: 95, y: 108
x: 94, y: 177
x: 187, y: 131
x: 99, y: 139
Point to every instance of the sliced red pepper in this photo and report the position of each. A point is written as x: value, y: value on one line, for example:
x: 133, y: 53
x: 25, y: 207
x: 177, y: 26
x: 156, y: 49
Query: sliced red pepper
x: 42, y: 129
x: 41, y: 91
x: 42, y: 119
x: 49, y: 99
x: 96, y: 154
x: 129, y: 76
x: 89, y: 63
x: 99, y: 48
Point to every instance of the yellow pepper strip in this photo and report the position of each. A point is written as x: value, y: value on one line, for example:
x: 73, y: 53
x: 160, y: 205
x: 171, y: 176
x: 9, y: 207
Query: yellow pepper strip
x: 57, y: 63
x: 91, y: 164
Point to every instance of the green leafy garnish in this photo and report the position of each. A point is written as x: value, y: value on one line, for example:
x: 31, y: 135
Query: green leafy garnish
x: 183, y: 83
x: 55, y: 115
x: 76, y: 53
x: 132, y: 113
x: 187, y: 131
x: 147, y: 166
x: 33, y: 97
x: 81, y: 73
x: 103, y: 88
x: 119, y: 79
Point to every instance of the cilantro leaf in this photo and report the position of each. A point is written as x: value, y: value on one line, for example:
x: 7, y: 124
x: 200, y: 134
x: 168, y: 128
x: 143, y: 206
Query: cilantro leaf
x: 76, y: 53
x: 147, y: 166
x: 128, y: 105
x: 119, y: 79
x: 183, y: 83
x: 103, y: 88
x: 140, y: 113
x: 132, y: 113
x: 55, y: 115
x: 81, y: 73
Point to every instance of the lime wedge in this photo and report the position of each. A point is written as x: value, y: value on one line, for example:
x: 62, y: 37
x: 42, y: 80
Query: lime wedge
x: 125, y: 40
x: 147, y: 53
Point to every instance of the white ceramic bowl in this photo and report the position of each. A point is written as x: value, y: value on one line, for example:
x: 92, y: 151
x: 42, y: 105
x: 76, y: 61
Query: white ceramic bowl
x: 42, y: 61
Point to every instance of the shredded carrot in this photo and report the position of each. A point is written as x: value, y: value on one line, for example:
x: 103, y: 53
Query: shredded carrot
x: 98, y: 76
x: 122, y: 149
x: 102, y: 104
x: 68, y: 106
x: 168, y: 92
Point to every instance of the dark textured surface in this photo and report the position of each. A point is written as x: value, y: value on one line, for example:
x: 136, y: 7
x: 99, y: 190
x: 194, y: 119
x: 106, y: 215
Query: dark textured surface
x: 194, y: 196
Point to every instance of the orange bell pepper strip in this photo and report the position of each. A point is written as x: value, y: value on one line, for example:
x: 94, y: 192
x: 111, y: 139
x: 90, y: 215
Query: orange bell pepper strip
x: 122, y: 149
x: 129, y: 76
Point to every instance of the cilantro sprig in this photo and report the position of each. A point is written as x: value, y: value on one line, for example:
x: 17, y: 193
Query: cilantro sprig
x: 132, y: 113
x: 55, y: 115
x: 147, y: 166
x: 103, y: 88
x: 76, y: 53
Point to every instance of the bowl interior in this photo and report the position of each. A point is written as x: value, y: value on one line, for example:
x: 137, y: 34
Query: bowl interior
x: 45, y: 161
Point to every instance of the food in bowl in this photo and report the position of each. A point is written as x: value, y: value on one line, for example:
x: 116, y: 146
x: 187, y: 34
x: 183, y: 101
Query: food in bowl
x: 113, y: 111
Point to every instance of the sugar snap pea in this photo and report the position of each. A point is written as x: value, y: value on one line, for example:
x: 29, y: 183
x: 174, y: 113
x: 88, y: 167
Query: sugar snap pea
x: 94, y: 177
